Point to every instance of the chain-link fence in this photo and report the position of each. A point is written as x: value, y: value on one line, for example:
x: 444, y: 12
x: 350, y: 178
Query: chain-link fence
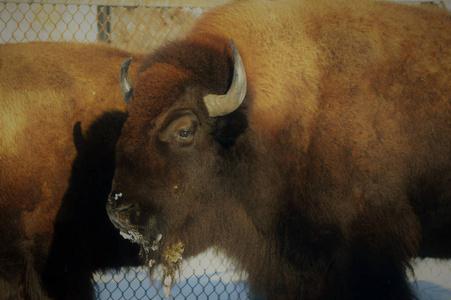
x: 133, y: 26
x: 209, y: 275
x: 141, y: 26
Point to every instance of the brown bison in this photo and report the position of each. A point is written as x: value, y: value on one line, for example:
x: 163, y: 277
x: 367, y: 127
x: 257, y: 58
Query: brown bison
x: 54, y: 231
x: 318, y: 156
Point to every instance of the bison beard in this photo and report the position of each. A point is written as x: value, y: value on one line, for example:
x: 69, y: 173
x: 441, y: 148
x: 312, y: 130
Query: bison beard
x: 323, y: 182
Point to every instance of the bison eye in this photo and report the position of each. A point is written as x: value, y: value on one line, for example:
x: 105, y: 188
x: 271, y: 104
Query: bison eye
x: 184, y: 134
x: 180, y: 126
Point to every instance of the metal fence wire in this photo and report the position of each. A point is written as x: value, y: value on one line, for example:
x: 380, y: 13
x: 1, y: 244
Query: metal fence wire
x: 141, y: 26
x: 208, y: 276
x: 132, y: 27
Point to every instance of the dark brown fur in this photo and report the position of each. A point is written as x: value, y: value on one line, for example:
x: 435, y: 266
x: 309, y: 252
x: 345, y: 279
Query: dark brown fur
x: 335, y: 170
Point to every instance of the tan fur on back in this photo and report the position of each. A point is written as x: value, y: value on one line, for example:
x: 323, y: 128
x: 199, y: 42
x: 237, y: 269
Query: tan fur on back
x: 45, y: 88
x: 349, y: 39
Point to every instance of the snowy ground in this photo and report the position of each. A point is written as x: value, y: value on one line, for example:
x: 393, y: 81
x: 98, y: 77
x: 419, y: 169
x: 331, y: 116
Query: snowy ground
x: 209, y: 276
x: 433, y: 279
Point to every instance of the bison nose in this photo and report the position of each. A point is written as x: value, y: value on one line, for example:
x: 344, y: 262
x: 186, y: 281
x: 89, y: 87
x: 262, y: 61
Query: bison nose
x: 120, y: 214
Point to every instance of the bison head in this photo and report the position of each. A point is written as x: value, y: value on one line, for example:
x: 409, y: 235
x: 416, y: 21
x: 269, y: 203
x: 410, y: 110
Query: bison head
x: 172, y: 172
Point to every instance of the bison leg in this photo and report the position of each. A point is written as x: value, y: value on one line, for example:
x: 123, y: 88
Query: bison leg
x: 373, y: 262
x: 352, y: 252
x: 357, y: 276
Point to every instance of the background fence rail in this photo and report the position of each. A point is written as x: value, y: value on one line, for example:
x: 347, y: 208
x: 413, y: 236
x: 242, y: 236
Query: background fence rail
x: 141, y: 26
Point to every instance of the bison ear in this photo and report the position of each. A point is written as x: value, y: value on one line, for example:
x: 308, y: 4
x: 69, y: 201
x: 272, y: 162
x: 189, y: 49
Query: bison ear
x: 221, y: 105
x: 79, y: 140
x: 125, y: 83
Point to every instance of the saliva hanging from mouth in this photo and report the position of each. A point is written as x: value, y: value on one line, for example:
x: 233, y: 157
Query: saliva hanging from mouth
x: 147, y: 245
x: 171, y: 257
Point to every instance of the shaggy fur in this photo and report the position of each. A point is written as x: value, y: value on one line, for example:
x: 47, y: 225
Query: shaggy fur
x: 45, y: 89
x: 335, y: 170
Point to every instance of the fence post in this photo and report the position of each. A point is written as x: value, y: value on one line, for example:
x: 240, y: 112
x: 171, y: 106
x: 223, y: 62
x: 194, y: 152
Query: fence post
x: 103, y: 23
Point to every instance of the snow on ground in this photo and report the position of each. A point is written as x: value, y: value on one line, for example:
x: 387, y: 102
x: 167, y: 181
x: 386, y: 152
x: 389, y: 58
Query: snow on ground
x: 211, y: 276
x: 433, y: 279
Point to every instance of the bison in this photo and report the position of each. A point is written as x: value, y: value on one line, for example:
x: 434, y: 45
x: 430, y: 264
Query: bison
x: 54, y: 230
x: 316, y: 153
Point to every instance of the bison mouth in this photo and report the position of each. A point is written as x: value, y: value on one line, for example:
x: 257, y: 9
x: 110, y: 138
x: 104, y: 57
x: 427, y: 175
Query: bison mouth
x: 126, y: 218
x: 149, y: 247
x: 150, y: 243
x: 155, y: 249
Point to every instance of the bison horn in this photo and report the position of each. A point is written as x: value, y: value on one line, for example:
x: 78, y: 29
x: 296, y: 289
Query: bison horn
x: 125, y: 83
x: 221, y: 105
